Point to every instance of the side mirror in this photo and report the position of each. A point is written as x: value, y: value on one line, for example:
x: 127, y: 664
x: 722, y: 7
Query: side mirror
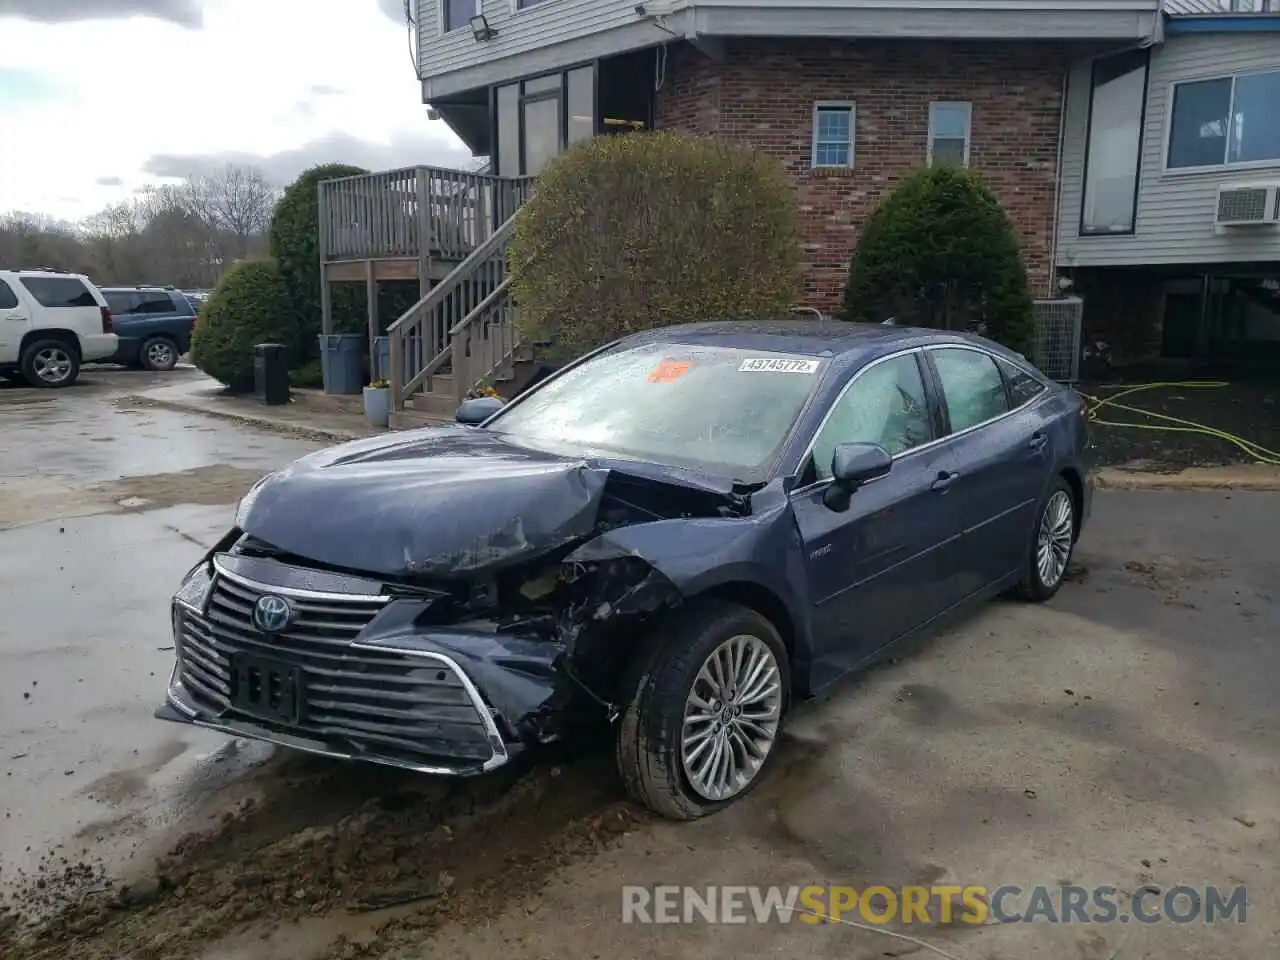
x: 478, y: 410
x: 852, y: 465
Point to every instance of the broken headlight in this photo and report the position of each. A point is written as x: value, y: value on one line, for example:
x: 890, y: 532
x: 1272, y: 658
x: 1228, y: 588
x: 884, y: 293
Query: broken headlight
x: 194, y: 592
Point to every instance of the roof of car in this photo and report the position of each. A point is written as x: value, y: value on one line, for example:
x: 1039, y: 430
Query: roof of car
x: 819, y: 338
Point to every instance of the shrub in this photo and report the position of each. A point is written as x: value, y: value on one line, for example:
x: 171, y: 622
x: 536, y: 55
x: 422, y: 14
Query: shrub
x: 250, y: 305
x: 295, y: 244
x: 940, y: 252
x: 644, y: 230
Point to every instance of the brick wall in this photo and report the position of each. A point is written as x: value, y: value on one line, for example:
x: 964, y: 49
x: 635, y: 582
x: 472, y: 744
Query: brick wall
x: 763, y: 92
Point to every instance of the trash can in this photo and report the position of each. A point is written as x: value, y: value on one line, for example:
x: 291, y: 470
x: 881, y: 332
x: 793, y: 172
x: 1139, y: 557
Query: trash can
x: 381, y: 358
x: 341, y: 362
x: 271, y: 373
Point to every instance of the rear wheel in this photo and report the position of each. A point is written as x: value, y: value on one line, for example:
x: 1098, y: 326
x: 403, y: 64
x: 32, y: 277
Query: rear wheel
x: 707, y: 701
x: 1051, y: 545
x: 158, y: 353
x: 50, y: 363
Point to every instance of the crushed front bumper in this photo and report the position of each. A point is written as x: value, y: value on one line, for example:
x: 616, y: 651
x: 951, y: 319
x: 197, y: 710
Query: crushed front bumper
x: 352, y: 676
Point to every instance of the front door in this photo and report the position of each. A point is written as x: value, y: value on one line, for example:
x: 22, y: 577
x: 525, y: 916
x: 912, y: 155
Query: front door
x: 873, y: 568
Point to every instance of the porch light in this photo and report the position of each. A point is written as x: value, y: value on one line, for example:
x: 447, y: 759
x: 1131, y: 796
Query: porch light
x: 480, y: 28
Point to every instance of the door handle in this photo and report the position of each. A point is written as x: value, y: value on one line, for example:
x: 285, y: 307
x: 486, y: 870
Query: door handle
x: 1038, y: 440
x: 943, y: 482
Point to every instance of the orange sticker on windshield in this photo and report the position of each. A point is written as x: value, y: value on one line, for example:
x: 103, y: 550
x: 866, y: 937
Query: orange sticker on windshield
x: 668, y: 370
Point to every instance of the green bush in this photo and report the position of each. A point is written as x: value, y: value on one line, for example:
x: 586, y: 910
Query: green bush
x: 626, y: 233
x: 295, y: 244
x: 941, y: 252
x: 250, y: 305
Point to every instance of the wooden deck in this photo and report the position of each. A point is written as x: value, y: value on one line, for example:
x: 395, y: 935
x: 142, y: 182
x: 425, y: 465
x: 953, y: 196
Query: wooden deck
x: 412, y: 223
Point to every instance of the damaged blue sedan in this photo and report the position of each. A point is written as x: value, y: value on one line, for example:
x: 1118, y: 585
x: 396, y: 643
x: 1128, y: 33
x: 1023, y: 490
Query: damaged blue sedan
x: 680, y: 534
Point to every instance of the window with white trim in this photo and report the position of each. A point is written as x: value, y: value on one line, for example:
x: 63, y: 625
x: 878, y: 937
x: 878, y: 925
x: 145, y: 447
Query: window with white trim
x: 1224, y: 121
x: 949, y: 132
x: 834, y: 126
x: 456, y: 14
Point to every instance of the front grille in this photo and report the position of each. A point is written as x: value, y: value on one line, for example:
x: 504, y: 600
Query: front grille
x: 406, y: 708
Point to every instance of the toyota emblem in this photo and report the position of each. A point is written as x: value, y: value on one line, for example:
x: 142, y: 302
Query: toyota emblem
x: 271, y: 614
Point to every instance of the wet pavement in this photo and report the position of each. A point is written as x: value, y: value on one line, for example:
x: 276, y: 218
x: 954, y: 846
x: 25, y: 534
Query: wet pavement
x: 103, y: 507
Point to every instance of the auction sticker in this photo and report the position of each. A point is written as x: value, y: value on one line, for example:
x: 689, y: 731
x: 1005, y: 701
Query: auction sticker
x: 668, y: 370
x: 777, y: 365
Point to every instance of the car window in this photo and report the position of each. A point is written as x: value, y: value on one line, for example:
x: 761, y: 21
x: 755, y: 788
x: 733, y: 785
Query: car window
x: 8, y: 299
x: 885, y: 404
x: 120, y: 303
x: 721, y: 410
x: 1022, y: 385
x: 155, y: 302
x: 971, y: 385
x: 59, y: 291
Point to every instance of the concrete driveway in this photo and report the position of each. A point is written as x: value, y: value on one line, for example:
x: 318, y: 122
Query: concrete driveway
x: 1124, y: 734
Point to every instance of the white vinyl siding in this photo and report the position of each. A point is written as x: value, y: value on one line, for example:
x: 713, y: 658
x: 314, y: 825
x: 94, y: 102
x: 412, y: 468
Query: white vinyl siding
x: 1174, y: 220
x: 554, y: 34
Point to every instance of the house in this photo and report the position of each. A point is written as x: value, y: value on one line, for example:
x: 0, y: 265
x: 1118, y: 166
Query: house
x: 1169, y: 222
x: 850, y: 96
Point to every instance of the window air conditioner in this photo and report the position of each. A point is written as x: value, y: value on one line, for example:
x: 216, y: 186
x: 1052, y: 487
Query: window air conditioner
x: 1248, y: 205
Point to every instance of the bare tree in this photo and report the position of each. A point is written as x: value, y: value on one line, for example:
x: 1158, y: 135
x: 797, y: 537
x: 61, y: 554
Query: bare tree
x: 236, y: 201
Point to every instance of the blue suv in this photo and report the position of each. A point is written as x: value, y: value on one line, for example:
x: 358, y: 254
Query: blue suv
x: 154, y: 325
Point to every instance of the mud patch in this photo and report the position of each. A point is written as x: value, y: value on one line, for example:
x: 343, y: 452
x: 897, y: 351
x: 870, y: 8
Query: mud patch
x: 24, y: 502
x: 347, y: 854
x: 211, y: 485
x: 121, y: 786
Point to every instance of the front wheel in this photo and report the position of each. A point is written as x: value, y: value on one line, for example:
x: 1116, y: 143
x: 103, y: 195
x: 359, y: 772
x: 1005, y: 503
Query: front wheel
x: 706, y: 706
x: 50, y: 363
x: 1052, y: 544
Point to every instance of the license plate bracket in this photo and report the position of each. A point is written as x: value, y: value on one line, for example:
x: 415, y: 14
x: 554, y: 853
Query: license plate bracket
x: 265, y: 688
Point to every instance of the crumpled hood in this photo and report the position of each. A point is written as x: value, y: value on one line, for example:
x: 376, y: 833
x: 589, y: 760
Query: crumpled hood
x: 441, y: 501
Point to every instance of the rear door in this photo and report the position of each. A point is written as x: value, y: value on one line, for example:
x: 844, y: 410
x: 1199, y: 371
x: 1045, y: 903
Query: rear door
x: 68, y: 302
x: 1002, y: 456
x: 15, y: 321
x: 873, y: 568
x: 124, y: 321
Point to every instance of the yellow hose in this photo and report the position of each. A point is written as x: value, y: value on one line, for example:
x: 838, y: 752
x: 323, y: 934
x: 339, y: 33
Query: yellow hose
x: 1257, y: 451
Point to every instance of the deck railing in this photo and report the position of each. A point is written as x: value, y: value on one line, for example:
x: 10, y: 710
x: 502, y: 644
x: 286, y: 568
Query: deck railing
x: 414, y: 212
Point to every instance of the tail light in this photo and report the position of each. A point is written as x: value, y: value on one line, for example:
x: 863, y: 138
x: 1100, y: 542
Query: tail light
x: 106, y: 319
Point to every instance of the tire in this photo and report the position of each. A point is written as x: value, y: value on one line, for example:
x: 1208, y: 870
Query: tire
x: 1055, y: 532
x: 158, y: 353
x: 667, y: 670
x: 50, y: 363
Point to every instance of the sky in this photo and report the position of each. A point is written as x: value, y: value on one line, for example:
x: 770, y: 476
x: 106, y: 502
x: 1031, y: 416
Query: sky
x: 99, y: 98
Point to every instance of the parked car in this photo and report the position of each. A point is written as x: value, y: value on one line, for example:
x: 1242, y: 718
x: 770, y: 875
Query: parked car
x: 50, y: 323
x: 682, y: 533
x: 154, y: 325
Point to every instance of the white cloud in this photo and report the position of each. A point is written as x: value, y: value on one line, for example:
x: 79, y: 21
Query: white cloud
x: 282, y: 83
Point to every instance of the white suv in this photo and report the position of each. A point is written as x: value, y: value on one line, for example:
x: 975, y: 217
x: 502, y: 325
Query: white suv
x: 49, y: 324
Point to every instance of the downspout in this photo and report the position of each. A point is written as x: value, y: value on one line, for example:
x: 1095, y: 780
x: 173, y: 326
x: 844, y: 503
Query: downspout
x: 1057, y: 183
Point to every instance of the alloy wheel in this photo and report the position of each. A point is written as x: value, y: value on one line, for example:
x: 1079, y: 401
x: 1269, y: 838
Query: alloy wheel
x: 731, y: 717
x: 52, y: 365
x: 1053, y: 544
x: 159, y: 355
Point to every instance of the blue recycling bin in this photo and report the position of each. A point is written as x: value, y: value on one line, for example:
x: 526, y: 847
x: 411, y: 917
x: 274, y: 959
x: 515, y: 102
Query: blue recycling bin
x: 341, y: 362
x: 381, y: 358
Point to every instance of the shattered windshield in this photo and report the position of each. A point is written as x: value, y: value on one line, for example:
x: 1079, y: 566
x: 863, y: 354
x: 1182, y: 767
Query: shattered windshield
x: 722, y: 410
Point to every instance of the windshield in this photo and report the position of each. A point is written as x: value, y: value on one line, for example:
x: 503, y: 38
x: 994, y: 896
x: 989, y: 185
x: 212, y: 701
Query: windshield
x: 722, y: 410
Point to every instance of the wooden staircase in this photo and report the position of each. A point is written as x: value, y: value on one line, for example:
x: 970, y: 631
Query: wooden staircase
x: 459, y: 337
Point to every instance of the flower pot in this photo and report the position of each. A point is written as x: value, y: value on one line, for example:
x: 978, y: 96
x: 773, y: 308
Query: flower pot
x: 377, y: 405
